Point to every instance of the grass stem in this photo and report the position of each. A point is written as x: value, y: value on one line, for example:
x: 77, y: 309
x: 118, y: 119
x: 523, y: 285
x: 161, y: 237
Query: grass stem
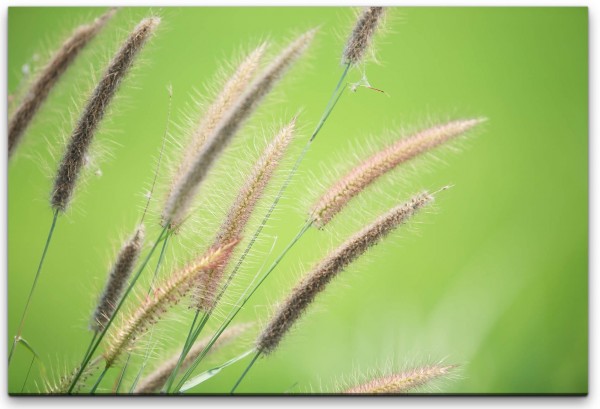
x: 33, y: 286
x: 246, y: 371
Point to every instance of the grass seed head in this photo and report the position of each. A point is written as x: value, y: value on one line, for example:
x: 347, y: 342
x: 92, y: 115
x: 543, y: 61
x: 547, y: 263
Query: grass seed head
x: 82, y: 136
x: 231, y: 92
x: 402, y: 382
x: 117, y: 279
x: 242, y: 208
x: 371, y: 169
x: 182, y: 195
x: 316, y: 281
x: 165, y: 295
x: 362, y: 34
x: 49, y: 77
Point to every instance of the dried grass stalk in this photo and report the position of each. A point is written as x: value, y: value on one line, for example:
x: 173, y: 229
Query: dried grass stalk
x: 163, y: 297
x: 157, y: 379
x: 242, y: 208
x: 81, y: 138
x: 49, y: 76
x: 402, y: 382
x: 362, y: 35
x: 117, y: 279
x: 361, y: 176
x: 315, y: 282
x: 182, y: 195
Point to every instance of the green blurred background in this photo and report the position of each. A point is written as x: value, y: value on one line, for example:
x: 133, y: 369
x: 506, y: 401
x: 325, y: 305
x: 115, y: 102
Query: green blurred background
x: 494, y: 279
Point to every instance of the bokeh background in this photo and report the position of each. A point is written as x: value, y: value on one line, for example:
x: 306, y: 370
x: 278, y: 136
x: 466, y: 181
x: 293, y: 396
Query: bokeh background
x: 494, y: 278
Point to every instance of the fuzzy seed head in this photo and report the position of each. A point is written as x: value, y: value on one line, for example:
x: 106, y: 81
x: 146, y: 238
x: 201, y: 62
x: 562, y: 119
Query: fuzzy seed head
x: 242, y: 208
x: 232, y: 90
x: 81, y: 138
x: 117, y: 279
x: 371, y: 169
x: 402, y: 382
x: 163, y: 297
x: 316, y: 281
x: 182, y: 195
x: 362, y: 35
x: 49, y: 76
x: 157, y: 379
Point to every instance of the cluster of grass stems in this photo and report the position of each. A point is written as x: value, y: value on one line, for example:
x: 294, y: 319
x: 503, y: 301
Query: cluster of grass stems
x: 205, y: 279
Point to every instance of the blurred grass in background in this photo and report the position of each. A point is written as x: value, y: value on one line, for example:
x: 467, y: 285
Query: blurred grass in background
x: 495, y: 279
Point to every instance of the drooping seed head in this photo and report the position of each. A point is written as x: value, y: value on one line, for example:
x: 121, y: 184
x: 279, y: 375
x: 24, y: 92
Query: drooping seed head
x: 163, y: 298
x: 242, y: 208
x: 81, y: 138
x: 157, y: 379
x: 362, y: 35
x: 401, y: 382
x: 49, y: 76
x: 371, y: 169
x: 117, y: 279
x: 232, y: 90
x: 316, y: 281
x: 182, y: 195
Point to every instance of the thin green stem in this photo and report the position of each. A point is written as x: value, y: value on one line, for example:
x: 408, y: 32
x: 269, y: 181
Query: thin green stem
x: 104, y: 371
x: 160, y: 260
x: 34, y: 285
x: 245, y: 371
x: 122, y: 375
x: 28, y: 372
x: 119, y: 305
x: 191, y: 338
x: 241, y: 302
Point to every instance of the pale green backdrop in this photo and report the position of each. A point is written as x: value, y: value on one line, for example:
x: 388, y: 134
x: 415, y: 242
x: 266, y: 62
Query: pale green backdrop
x: 495, y: 278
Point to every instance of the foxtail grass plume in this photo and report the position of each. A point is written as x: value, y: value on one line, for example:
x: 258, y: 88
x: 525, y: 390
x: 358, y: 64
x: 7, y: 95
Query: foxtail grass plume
x: 163, y: 297
x: 117, y: 279
x: 82, y: 136
x: 232, y: 90
x: 367, y: 172
x: 242, y: 208
x: 401, y: 382
x: 182, y: 195
x: 362, y: 34
x: 316, y: 281
x: 157, y: 379
x: 49, y: 76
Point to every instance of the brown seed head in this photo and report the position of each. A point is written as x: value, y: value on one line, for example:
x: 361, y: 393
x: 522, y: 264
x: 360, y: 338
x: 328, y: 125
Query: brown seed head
x: 49, y: 76
x: 157, y: 379
x: 367, y: 172
x: 82, y: 135
x: 182, y: 195
x: 362, y: 34
x: 402, y: 382
x: 309, y: 287
x: 117, y: 279
x: 242, y: 208
x: 164, y: 297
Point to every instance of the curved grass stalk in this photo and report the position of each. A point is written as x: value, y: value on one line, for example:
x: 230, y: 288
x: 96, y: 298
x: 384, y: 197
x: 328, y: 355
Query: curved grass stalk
x: 17, y: 337
x: 254, y: 359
